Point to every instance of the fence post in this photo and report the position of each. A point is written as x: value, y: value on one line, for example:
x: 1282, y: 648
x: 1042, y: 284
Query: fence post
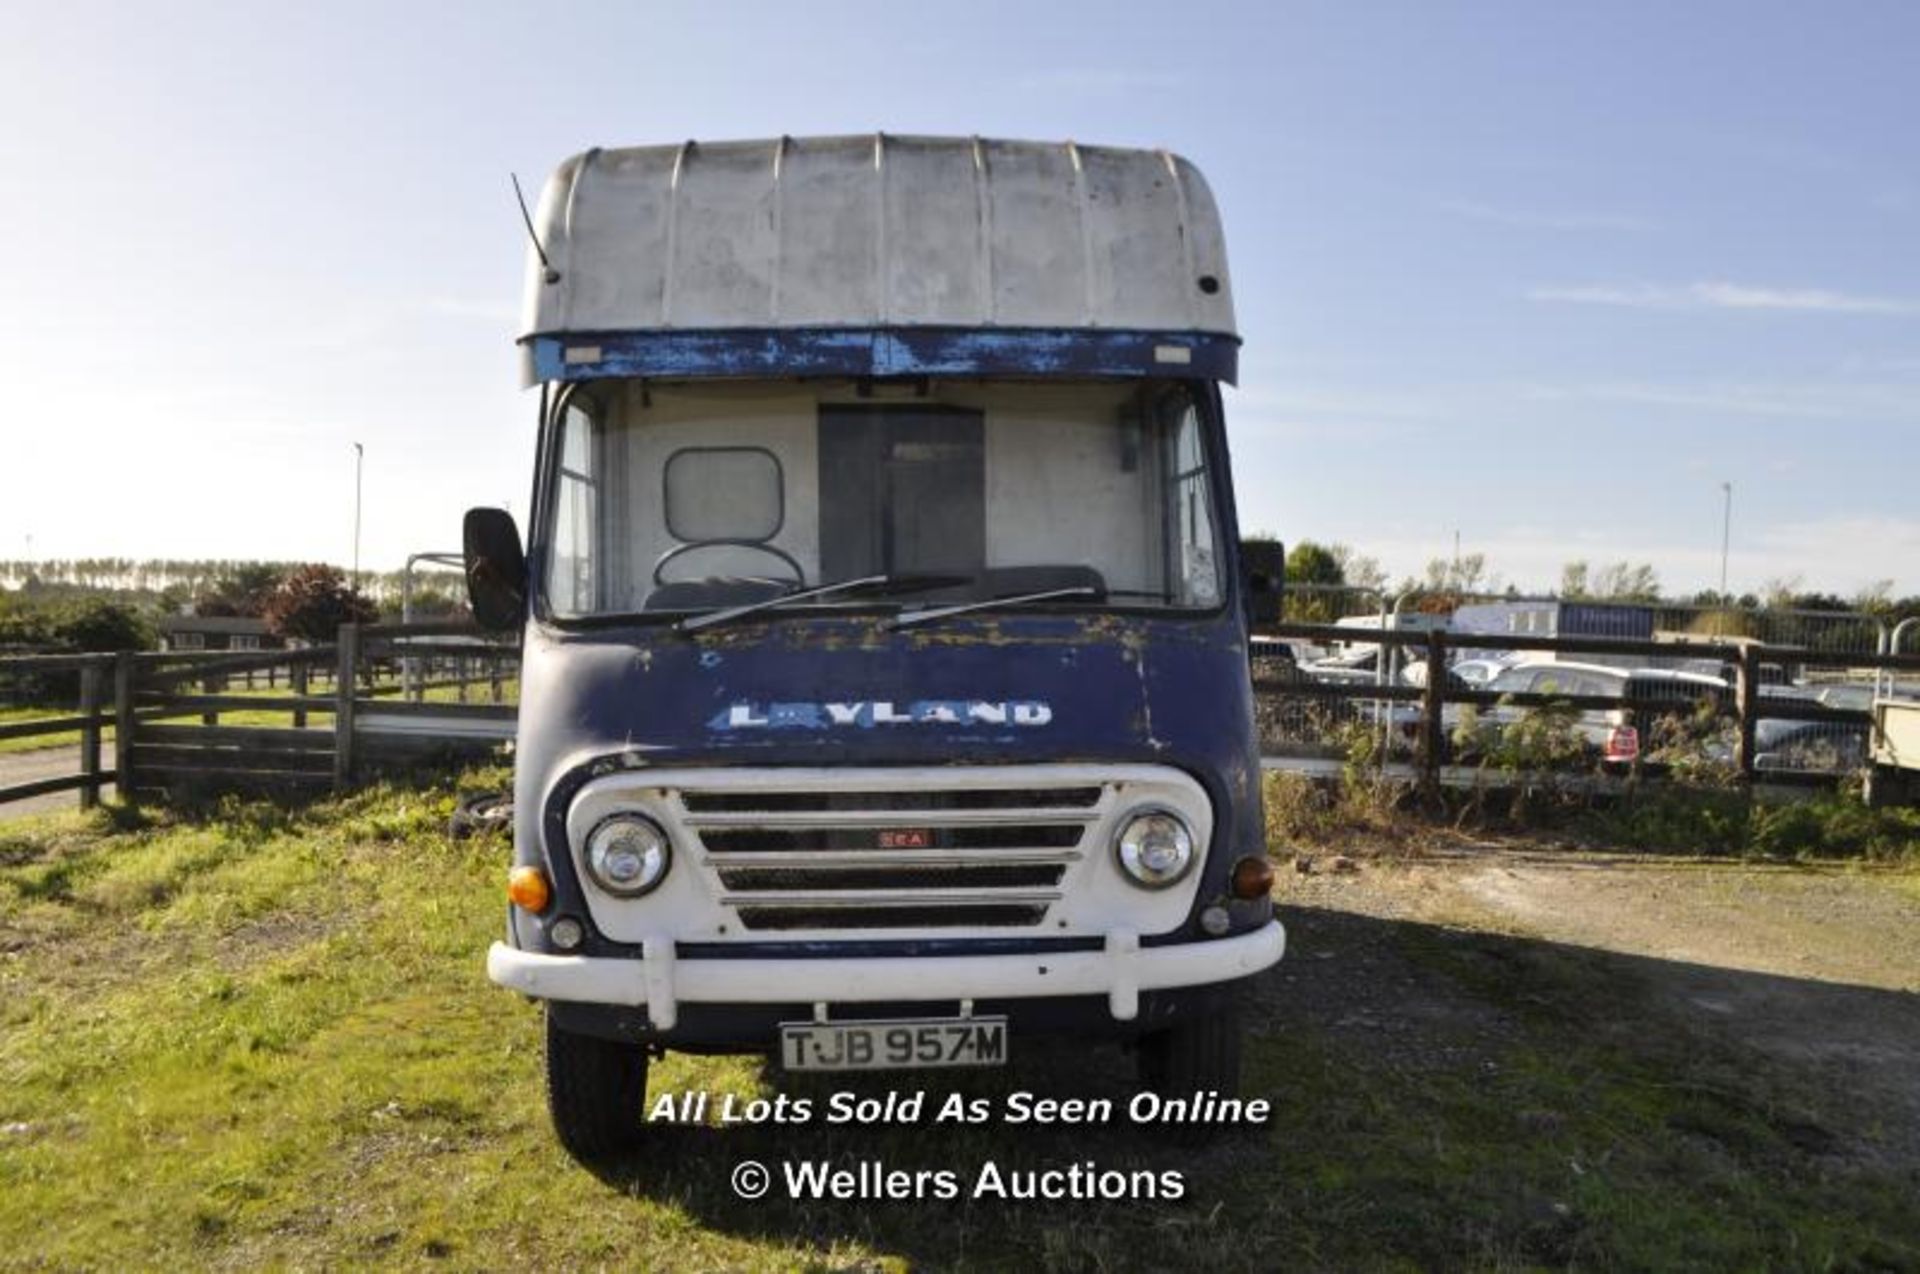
x: 1433, y: 715
x: 90, y: 735
x: 123, y: 685
x: 1747, y: 692
x: 297, y: 684
x: 343, y: 686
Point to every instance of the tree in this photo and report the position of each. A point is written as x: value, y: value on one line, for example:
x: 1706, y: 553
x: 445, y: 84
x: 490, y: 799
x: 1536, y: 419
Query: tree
x: 1627, y: 582
x: 1609, y: 582
x: 1458, y: 574
x: 1779, y: 592
x: 1358, y: 569
x: 243, y: 589
x: 313, y: 601
x: 1310, y: 563
x: 1876, y: 598
x: 436, y: 597
x: 1315, y: 567
x: 93, y: 623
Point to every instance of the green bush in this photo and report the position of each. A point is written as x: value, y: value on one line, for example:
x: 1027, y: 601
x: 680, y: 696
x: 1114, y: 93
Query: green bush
x: 1830, y: 825
x: 85, y: 623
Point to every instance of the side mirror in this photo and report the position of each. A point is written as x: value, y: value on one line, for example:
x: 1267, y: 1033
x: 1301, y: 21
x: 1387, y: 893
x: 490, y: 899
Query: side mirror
x: 1263, y: 578
x: 496, y: 569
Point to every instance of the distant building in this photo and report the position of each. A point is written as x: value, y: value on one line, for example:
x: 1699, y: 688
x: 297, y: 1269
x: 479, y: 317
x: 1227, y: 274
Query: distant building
x: 217, y: 632
x: 1608, y: 621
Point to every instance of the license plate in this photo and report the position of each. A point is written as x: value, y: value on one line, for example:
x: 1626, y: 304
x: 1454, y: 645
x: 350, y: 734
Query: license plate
x: 900, y: 1044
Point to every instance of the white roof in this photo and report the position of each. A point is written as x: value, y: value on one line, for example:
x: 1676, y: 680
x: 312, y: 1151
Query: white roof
x: 878, y: 231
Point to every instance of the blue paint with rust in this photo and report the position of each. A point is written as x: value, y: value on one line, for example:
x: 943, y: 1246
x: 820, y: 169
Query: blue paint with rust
x: 883, y: 352
x: 1121, y: 688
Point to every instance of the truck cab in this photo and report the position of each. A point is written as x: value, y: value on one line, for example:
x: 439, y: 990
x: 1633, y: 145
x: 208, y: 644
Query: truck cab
x: 885, y: 696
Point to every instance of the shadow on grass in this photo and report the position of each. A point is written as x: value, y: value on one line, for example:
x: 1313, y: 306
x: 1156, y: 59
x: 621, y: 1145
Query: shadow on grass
x: 1441, y: 1098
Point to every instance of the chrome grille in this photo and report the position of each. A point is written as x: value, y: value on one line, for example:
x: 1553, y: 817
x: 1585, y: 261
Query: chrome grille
x: 828, y: 853
x: 935, y: 876
x: 934, y: 915
x: 912, y: 858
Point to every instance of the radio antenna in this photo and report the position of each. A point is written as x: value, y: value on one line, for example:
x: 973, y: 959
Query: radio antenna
x: 552, y: 275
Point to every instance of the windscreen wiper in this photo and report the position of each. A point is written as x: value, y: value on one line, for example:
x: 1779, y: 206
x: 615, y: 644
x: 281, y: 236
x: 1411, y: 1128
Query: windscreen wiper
x: 865, y: 584
x: 1018, y: 599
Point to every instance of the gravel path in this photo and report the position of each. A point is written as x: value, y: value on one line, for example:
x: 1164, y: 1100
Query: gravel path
x: 41, y: 763
x: 1816, y: 969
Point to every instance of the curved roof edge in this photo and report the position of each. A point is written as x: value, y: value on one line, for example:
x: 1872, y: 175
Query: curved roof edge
x: 876, y: 232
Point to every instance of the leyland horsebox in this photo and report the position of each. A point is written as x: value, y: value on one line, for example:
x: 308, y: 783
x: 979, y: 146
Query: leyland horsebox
x: 885, y: 695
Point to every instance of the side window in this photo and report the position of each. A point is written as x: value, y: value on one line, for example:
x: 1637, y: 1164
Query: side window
x: 1514, y: 681
x: 1193, y: 573
x: 1587, y: 683
x: 572, y: 560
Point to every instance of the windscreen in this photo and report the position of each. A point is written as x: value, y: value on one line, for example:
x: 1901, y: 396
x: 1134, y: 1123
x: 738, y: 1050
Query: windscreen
x: 669, y: 498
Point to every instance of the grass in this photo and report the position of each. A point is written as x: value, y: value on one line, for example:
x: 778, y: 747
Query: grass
x: 1648, y: 1152
x: 1822, y: 825
x: 33, y: 743
x: 316, y: 719
x: 263, y: 1036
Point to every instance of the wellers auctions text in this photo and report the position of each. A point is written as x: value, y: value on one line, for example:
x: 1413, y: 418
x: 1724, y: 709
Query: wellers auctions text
x: 911, y: 1108
x: 868, y: 1180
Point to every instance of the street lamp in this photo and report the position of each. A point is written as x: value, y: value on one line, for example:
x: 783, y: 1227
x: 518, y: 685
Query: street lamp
x: 359, y: 458
x: 1726, y: 534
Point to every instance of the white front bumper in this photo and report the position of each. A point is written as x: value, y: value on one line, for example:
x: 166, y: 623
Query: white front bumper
x: 660, y: 981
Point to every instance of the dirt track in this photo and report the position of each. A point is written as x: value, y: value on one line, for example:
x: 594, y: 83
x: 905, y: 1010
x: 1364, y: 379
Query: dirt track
x: 1817, y: 971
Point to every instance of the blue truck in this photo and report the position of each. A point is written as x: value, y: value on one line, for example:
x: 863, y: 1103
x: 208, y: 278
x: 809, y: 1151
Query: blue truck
x: 885, y: 693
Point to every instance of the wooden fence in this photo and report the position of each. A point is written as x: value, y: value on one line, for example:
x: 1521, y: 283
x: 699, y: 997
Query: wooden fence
x: 87, y: 720
x: 1417, y: 716
x: 182, y: 722
x: 394, y: 694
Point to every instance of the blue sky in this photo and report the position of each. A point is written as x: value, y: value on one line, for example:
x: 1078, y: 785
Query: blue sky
x: 1542, y: 275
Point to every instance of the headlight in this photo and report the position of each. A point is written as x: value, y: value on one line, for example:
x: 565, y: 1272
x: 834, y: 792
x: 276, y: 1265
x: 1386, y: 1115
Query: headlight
x: 628, y: 855
x: 1155, y: 848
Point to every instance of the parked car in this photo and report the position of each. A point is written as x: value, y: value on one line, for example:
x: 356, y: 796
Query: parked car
x: 1612, y: 733
x: 1825, y: 747
x: 1415, y: 674
x: 1359, y: 667
x: 1857, y: 698
x: 1478, y: 672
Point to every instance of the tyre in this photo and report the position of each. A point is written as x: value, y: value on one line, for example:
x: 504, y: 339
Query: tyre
x: 1198, y: 1056
x: 476, y: 815
x: 596, y: 1092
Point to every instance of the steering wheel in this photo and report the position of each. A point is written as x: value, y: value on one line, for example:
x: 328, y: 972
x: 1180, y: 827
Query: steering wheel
x: 786, y: 558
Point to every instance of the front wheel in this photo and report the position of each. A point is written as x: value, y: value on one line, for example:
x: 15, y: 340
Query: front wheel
x: 596, y: 1090
x: 1201, y: 1055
